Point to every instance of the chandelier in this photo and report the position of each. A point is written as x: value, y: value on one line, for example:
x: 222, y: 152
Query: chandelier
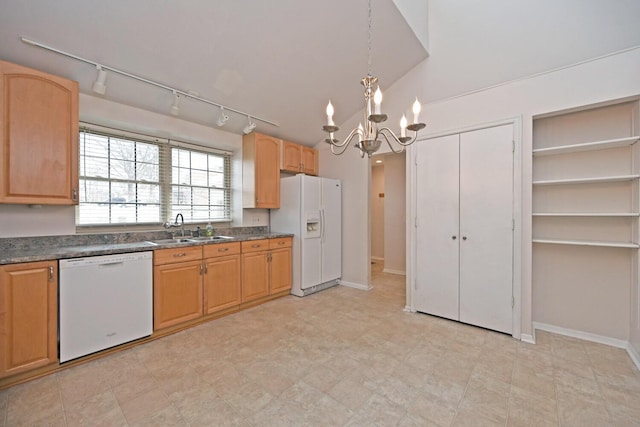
x: 370, y: 136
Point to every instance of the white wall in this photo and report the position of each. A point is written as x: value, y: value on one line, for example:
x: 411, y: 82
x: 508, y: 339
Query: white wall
x: 395, y: 213
x: 603, y: 79
x: 606, y: 78
x: 22, y: 221
x: 377, y: 211
x: 355, y: 175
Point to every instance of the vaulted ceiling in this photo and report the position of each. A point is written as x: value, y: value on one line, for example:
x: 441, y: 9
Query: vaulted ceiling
x: 280, y: 60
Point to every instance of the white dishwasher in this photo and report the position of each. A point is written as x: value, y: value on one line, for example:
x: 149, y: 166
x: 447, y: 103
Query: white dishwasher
x: 104, y: 301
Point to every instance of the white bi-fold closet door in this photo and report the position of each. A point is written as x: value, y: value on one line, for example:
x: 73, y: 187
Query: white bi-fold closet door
x: 464, y: 250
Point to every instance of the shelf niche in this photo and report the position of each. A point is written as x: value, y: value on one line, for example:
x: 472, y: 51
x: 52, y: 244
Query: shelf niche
x: 586, y: 213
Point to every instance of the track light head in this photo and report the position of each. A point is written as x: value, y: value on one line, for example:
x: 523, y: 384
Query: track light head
x: 222, y: 120
x: 249, y: 127
x: 99, y: 86
x: 175, y: 107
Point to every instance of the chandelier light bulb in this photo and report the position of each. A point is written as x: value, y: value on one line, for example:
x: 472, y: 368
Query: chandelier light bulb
x: 377, y: 100
x: 330, y: 114
x: 403, y: 126
x: 416, y: 112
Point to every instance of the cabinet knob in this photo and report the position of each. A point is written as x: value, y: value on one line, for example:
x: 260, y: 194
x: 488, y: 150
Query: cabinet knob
x: 464, y: 237
x: 454, y: 237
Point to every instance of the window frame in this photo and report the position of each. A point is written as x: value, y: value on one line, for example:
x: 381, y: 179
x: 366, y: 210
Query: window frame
x: 165, y: 147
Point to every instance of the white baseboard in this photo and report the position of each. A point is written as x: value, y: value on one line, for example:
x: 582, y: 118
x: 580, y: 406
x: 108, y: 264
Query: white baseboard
x: 587, y: 336
x: 390, y: 271
x: 356, y: 285
x: 529, y: 339
x: 634, y: 354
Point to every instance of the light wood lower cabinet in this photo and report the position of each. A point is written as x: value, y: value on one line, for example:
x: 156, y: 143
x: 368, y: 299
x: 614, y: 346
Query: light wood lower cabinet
x: 280, y: 265
x: 193, y: 281
x: 255, y: 269
x: 177, y: 286
x: 222, y: 276
x: 28, y: 316
x: 266, y: 267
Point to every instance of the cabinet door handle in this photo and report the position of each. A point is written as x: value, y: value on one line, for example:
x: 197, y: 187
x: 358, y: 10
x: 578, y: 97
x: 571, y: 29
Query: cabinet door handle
x: 454, y: 237
x: 74, y: 194
x: 464, y: 237
x: 206, y: 269
x: 256, y: 245
x: 50, y: 273
x: 181, y: 254
x: 223, y: 249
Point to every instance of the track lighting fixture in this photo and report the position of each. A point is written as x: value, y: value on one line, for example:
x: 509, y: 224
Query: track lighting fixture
x: 175, y: 107
x: 99, y: 86
x: 222, y: 120
x: 249, y: 127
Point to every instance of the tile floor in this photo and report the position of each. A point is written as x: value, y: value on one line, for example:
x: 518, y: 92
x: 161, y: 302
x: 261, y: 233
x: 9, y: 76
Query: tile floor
x: 341, y: 357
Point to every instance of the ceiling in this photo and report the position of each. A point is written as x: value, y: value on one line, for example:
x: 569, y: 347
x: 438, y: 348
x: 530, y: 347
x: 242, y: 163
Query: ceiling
x: 280, y: 60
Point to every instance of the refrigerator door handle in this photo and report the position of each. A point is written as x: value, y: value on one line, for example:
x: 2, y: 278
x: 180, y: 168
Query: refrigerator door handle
x: 322, y: 224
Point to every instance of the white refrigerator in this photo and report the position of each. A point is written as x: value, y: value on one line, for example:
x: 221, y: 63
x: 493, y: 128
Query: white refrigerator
x: 311, y: 210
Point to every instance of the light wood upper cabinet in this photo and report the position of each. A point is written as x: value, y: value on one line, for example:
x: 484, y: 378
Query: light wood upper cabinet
x: 298, y: 158
x: 39, y: 137
x: 260, y: 171
x: 28, y: 316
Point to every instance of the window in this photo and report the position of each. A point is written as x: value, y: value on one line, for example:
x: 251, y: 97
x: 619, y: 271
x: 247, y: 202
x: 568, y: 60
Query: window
x: 134, y: 179
x: 199, y: 185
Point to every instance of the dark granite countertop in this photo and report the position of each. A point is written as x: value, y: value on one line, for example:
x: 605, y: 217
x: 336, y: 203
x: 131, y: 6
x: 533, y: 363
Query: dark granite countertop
x: 29, y: 249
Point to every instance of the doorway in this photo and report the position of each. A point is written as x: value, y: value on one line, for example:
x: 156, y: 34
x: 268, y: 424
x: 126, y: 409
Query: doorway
x: 388, y: 214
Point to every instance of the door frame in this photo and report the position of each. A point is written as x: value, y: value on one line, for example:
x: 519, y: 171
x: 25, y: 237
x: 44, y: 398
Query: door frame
x: 411, y: 210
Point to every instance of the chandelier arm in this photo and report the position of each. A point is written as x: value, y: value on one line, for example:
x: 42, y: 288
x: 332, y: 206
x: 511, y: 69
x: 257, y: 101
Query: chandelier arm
x: 389, y: 142
x: 333, y: 151
x: 346, y: 141
x: 404, y: 144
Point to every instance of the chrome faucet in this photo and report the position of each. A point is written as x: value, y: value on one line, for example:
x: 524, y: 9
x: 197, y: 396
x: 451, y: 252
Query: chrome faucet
x: 168, y: 224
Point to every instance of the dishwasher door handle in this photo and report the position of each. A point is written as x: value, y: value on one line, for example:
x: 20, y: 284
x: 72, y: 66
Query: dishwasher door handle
x: 111, y: 264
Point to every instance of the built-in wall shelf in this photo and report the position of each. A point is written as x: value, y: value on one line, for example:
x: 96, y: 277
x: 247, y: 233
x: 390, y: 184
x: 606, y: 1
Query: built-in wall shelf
x: 590, y: 180
x: 600, y: 244
x: 585, y: 223
x: 587, y: 214
x: 588, y: 146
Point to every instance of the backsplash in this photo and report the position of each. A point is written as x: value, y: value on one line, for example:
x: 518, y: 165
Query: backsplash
x: 46, y: 242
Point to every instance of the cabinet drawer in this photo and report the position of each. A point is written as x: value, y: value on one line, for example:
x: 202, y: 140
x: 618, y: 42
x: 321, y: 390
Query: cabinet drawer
x: 220, y: 249
x: 168, y: 256
x: 255, y: 245
x: 283, y: 242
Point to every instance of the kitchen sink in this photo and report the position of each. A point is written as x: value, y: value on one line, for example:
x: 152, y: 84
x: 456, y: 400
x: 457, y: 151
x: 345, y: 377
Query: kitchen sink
x: 188, y: 240
x: 209, y: 238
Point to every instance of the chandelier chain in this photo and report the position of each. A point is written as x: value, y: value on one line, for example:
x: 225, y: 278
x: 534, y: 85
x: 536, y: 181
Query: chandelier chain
x: 369, y: 43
